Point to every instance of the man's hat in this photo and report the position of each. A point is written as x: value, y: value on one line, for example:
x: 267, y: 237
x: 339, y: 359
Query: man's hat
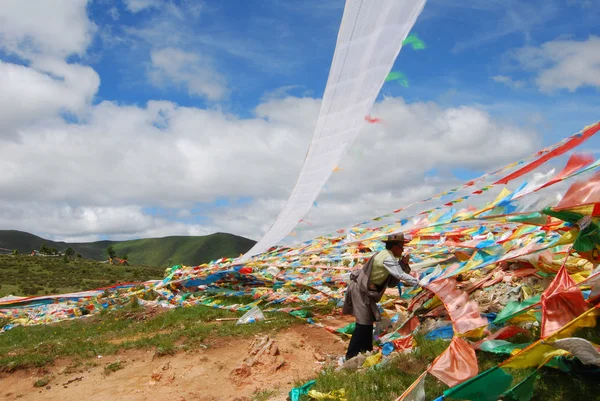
x: 397, y: 238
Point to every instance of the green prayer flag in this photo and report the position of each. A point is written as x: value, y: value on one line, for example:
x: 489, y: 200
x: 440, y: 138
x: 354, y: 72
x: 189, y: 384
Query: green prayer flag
x: 515, y: 308
x: 486, y: 386
x: 301, y: 313
x: 414, y: 41
x: 501, y: 346
x: 531, y: 218
x: 296, y: 392
x: 349, y: 329
x: 566, y: 215
x: 397, y: 76
x: 522, y: 391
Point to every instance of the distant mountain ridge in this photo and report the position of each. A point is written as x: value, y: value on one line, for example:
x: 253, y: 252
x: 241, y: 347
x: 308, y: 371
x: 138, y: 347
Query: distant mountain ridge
x: 166, y: 251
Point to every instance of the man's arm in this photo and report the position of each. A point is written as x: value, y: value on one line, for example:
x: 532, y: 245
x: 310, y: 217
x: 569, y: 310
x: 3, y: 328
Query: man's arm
x: 392, y: 265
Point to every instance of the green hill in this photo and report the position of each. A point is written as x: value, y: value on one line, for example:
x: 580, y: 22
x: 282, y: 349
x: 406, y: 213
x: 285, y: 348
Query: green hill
x: 163, y: 252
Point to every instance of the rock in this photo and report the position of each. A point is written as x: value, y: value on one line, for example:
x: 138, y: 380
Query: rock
x: 319, y: 356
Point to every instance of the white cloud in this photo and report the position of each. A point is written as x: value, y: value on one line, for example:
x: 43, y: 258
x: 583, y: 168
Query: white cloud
x: 105, y: 170
x: 51, y: 28
x: 50, y: 86
x: 43, y: 34
x: 508, y: 81
x: 194, y: 72
x: 135, y: 6
x: 563, y: 64
x: 64, y: 222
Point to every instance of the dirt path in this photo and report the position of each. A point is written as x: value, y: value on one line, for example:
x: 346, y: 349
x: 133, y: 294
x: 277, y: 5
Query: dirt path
x: 231, y: 369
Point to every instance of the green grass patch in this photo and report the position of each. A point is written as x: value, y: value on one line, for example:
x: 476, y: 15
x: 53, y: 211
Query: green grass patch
x: 41, y: 382
x: 24, y: 275
x: 263, y: 395
x: 382, y: 383
x: 390, y: 380
x: 113, y: 367
x: 131, y: 327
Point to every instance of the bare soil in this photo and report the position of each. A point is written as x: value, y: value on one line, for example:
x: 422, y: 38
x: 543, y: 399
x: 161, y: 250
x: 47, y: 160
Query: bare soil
x: 230, y: 369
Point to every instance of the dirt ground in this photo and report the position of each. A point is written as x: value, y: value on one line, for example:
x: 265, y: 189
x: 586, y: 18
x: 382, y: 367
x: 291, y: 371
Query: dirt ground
x: 230, y: 369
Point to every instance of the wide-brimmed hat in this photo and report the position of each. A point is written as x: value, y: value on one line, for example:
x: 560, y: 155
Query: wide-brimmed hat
x: 397, y: 238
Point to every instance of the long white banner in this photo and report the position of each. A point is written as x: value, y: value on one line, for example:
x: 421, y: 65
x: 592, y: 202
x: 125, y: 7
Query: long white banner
x: 369, y: 40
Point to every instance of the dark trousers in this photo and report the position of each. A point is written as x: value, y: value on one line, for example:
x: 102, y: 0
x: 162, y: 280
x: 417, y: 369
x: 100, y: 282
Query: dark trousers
x: 361, y: 341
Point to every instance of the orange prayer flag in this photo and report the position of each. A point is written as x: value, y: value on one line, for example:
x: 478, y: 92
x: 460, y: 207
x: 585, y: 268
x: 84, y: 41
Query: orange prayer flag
x: 561, y: 302
x: 409, y: 326
x: 464, y: 313
x: 455, y: 365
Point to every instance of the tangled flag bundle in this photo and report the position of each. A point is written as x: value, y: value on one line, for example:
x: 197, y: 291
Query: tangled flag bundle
x: 524, y: 261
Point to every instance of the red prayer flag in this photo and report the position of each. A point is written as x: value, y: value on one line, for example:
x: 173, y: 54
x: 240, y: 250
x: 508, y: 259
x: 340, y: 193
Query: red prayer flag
x: 576, y: 162
x: 575, y: 140
x: 581, y: 193
x: 372, y: 120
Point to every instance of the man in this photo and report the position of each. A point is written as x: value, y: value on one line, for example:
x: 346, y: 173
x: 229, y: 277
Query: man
x: 367, y: 286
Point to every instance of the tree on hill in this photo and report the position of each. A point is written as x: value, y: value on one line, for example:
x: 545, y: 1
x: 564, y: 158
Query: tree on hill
x: 45, y: 250
x: 111, y: 252
x: 69, y: 252
x: 15, y: 252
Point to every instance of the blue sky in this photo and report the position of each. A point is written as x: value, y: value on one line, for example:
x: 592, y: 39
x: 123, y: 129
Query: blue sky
x: 267, y: 46
x: 199, y: 113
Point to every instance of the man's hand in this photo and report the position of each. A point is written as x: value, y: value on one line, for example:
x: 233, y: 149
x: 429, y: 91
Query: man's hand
x: 406, y: 259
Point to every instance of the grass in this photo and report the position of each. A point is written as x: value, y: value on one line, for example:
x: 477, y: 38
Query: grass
x: 25, y: 275
x: 131, y: 327
x: 389, y: 381
x: 113, y: 367
x: 263, y: 395
x: 41, y: 382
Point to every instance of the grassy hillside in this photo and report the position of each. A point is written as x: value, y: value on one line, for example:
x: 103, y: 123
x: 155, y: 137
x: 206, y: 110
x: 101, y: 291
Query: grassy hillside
x: 26, y: 275
x: 163, y: 252
x: 174, y: 250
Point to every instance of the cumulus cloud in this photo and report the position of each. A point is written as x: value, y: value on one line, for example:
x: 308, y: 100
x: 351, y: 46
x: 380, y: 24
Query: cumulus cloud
x: 194, y: 73
x: 58, y: 28
x: 64, y: 222
x: 563, y: 64
x: 121, y: 159
x: 48, y: 87
x: 43, y: 34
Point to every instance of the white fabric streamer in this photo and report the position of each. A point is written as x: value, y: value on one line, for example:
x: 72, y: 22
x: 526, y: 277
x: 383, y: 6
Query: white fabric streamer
x: 369, y: 40
x: 579, y: 347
